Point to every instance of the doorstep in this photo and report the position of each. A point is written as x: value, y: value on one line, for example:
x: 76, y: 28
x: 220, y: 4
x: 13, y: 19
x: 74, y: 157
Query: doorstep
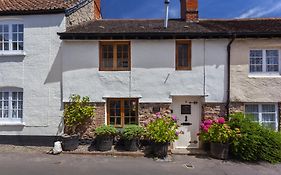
x: 192, y: 152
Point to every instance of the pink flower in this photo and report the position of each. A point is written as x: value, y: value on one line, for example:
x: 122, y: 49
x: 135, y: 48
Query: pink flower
x: 177, y: 133
x: 174, y: 117
x: 202, y: 125
x: 221, y: 120
x: 158, y: 115
x: 145, y: 123
x: 208, y: 122
x: 205, y: 129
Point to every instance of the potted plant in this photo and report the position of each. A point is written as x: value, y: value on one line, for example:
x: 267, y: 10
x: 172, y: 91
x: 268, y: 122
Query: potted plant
x: 104, y: 137
x: 76, y: 113
x: 220, y: 135
x: 162, y: 131
x: 131, y: 135
x: 204, y: 135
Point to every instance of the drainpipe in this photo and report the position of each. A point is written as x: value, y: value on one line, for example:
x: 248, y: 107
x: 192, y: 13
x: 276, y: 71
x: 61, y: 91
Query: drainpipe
x: 228, y: 75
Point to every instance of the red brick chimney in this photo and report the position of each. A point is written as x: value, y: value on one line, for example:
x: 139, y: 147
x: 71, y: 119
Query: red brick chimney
x: 97, y: 9
x: 189, y: 10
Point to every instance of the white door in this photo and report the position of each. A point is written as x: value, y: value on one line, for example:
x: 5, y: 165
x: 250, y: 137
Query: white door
x: 188, y: 112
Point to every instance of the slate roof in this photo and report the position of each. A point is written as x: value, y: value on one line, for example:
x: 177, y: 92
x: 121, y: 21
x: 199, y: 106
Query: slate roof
x: 20, y: 7
x: 152, y: 28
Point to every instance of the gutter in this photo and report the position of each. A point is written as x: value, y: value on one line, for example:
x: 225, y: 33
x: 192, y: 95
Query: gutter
x: 228, y: 75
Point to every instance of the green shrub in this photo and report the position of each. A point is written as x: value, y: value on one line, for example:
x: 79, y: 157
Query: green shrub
x: 256, y: 143
x: 106, y: 130
x: 163, y: 129
x: 77, y: 112
x: 132, y: 131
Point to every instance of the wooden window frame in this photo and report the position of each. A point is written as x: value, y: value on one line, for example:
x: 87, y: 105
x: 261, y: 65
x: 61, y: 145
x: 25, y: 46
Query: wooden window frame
x: 122, y: 111
x: 188, y: 42
x: 114, y: 44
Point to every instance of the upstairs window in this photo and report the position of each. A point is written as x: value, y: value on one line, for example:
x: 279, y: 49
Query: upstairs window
x: 264, y: 61
x: 11, y: 104
x: 183, y: 55
x: 115, y: 56
x: 265, y: 114
x: 11, y: 37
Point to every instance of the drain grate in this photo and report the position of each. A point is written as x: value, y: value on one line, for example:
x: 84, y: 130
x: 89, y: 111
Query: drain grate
x: 188, y: 166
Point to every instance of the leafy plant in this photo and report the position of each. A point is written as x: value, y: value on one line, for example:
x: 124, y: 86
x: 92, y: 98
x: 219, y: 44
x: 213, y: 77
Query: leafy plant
x: 163, y: 129
x: 132, y: 131
x: 106, y: 130
x: 217, y: 131
x: 77, y: 112
x: 256, y: 142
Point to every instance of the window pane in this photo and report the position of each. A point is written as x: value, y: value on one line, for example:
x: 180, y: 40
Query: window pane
x: 268, y: 117
x: 183, y: 55
x: 15, y: 46
x: 107, y: 59
x: 6, y: 28
x: 6, y: 46
x: 20, y: 27
x: 272, y: 61
x: 268, y: 108
x: 122, y: 56
x: 256, y: 60
x: 1, y: 28
x: 15, y: 28
x: 251, y: 108
x: 20, y: 46
x: 269, y: 125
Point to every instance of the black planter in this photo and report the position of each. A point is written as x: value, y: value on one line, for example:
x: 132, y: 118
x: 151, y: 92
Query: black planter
x: 104, y: 143
x: 219, y: 150
x: 160, y: 150
x: 131, y: 145
x: 206, y: 146
x: 70, y: 143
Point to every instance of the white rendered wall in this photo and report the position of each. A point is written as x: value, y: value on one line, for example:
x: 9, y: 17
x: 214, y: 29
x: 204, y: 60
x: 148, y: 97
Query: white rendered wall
x: 153, y: 76
x: 38, y: 73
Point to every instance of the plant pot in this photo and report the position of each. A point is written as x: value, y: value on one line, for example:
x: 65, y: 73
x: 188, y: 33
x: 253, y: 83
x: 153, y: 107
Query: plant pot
x: 104, y: 143
x: 206, y: 146
x: 70, y: 142
x: 219, y: 150
x: 160, y: 150
x: 131, y: 145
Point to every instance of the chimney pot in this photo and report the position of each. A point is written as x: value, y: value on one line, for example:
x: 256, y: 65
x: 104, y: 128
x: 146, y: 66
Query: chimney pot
x: 189, y: 10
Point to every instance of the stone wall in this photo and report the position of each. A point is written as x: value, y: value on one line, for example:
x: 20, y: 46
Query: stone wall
x: 213, y: 110
x: 90, y: 11
x: 91, y: 124
x: 147, y: 111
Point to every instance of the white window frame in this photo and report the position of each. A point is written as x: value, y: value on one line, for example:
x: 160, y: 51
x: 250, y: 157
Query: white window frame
x: 11, y: 51
x: 10, y: 119
x: 264, y: 61
x: 260, y: 112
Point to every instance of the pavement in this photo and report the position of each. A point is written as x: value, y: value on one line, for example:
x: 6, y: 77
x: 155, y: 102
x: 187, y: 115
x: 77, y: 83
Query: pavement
x: 15, y: 163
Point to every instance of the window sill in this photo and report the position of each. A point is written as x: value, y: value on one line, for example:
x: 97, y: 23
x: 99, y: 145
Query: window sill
x: 12, y: 124
x: 269, y: 75
x: 11, y: 53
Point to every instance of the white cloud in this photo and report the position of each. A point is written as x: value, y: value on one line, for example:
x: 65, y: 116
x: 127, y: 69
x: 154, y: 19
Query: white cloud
x: 261, y: 11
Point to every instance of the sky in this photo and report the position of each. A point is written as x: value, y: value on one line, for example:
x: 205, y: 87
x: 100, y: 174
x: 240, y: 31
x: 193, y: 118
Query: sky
x: 112, y: 9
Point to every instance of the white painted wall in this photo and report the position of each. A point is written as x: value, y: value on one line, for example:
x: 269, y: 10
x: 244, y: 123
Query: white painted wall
x: 153, y: 76
x: 38, y: 73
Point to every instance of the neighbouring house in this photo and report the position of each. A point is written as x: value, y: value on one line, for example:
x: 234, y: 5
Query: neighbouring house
x: 30, y: 65
x: 134, y: 68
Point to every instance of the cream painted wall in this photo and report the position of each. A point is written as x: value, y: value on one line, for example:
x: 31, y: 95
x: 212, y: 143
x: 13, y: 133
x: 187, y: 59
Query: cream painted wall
x: 153, y: 76
x: 247, y: 88
x: 38, y: 73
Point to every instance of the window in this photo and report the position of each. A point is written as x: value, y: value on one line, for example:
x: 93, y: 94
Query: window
x: 11, y: 105
x: 265, y: 114
x: 11, y: 37
x: 183, y: 55
x: 264, y: 61
x: 122, y: 112
x: 115, y: 56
